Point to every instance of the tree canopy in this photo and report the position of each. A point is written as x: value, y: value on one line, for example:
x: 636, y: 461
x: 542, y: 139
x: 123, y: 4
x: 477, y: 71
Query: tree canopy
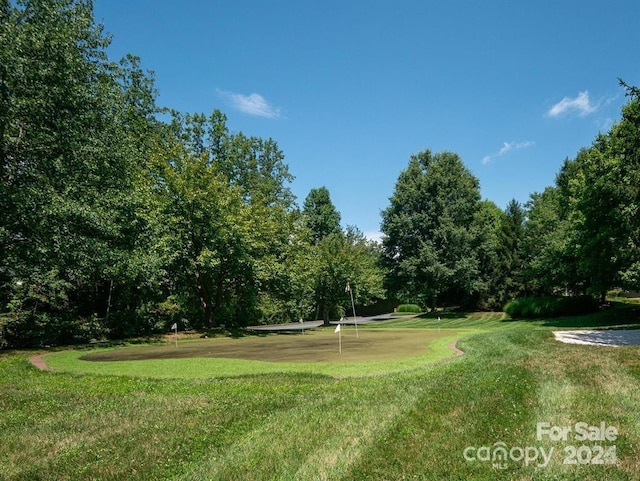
x: 116, y: 223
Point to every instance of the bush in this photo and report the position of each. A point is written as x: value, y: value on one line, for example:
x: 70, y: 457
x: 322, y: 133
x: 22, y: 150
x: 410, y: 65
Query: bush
x: 535, y: 307
x: 414, y: 308
x: 26, y: 330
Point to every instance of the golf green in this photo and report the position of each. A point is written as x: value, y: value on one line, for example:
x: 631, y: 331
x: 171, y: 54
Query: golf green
x: 312, y: 346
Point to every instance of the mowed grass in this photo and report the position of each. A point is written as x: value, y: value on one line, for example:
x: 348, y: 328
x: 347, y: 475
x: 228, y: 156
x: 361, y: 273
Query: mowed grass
x: 369, y: 352
x: 411, y: 424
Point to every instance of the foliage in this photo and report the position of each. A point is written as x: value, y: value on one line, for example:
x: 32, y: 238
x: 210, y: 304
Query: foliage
x: 225, y: 219
x: 591, y: 242
x: 117, y: 224
x: 539, y: 307
x: 320, y: 215
x: 68, y: 164
x: 409, y: 308
x: 346, y: 261
x: 432, y: 238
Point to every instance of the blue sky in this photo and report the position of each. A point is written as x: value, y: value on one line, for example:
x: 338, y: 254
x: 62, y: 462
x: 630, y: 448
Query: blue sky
x: 350, y: 89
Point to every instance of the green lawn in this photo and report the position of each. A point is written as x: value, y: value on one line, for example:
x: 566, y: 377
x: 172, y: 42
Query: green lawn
x: 413, y: 423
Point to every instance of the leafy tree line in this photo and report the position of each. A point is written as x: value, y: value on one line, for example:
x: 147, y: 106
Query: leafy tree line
x: 117, y: 224
x: 445, y: 246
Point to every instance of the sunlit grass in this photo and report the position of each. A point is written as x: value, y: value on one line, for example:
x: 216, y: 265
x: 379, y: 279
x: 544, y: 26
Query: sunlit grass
x: 303, y: 425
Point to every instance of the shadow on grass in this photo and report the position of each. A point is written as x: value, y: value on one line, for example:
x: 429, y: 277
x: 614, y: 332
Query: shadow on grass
x: 444, y: 315
x: 616, y: 315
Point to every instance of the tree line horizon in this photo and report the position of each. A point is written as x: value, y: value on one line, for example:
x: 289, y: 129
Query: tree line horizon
x: 116, y: 224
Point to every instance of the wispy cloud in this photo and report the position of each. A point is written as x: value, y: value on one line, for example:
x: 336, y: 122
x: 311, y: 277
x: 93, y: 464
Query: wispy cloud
x: 580, y: 105
x: 508, y: 147
x: 252, y: 104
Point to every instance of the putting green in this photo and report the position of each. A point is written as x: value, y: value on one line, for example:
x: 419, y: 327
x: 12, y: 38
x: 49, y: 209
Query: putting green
x: 372, y: 352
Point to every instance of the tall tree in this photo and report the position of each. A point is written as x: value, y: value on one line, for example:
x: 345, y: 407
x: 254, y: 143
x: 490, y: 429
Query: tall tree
x: 507, y: 281
x: 321, y: 216
x: 600, y: 196
x: 227, y: 218
x: 549, y: 245
x: 431, y: 237
x: 67, y: 158
x: 346, y: 259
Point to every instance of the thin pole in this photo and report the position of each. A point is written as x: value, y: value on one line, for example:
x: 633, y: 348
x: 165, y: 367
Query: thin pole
x: 353, y: 306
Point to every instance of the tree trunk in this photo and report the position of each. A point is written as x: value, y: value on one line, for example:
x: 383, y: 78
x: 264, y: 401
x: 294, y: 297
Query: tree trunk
x: 325, y: 315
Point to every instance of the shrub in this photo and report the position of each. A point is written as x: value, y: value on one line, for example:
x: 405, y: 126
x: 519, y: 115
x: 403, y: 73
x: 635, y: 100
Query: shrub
x: 409, y: 308
x: 534, y: 307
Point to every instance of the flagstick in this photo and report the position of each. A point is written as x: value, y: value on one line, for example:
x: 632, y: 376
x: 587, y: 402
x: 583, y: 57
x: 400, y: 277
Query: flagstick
x: 353, y: 306
x: 340, y: 339
x: 176, y: 332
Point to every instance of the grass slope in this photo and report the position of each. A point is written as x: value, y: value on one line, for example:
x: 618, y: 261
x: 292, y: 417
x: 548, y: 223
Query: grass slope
x: 413, y: 424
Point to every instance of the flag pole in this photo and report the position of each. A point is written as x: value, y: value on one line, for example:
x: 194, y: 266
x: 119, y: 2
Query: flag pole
x: 339, y: 331
x: 175, y: 331
x: 353, y: 306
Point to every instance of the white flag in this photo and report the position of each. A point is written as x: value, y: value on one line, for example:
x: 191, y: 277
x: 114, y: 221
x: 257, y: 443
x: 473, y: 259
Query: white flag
x: 348, y: 288
x: 300, y: 321
x: 174, y: 327
x: 337, y: 328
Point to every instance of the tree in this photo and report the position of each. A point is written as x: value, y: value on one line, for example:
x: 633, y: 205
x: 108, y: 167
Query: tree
x: 321, y: 216
x: 549, y: 246
x: 68, y: 156
x: 431, y: 235
x: 341, y: 259
x: 488, y: 222
x: 507, y: 281
x: 226, y: 219
x: 600, y: 199
x: 338, y: 257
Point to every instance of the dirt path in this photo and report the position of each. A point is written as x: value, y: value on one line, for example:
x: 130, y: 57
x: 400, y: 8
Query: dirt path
x: 38, y: 361
x: 454, y: 346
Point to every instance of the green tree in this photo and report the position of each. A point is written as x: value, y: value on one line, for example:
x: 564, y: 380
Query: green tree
x: 599, y: 193
x: 321, y: 216
x: 507, y: 281
x: 68, y: 151
x: 549, y: 246
x: 226, y: 220
x: 488, y: 222
x: 432, y: 238
x: 341, y: 259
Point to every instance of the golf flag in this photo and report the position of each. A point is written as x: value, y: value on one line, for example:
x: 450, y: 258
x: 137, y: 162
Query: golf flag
x: 348, y: 288
x: 337, y: 328
x: 300, y: 321
x: 174, y: 328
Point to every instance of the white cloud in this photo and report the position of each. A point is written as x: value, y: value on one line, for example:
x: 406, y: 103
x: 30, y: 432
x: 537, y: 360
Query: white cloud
x: 252, y: 104
x: 508, y: 147
x: 581, y: 104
